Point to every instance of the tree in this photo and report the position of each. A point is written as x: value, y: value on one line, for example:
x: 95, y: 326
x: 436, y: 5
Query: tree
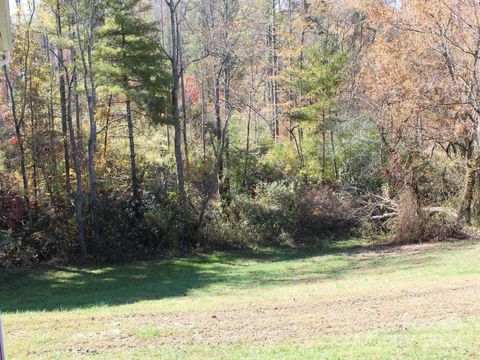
x: 316, y: 81
x: 176, y: 70
x: 19, y: 107
x: 85, y: 23
x: 132, y: 65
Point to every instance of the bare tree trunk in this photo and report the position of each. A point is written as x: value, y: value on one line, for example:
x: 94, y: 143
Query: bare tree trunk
x: 218, y: 134
x: 465, y: 212
x: 169, y: 145
x: 324, y: 145
x: 79, y: 215
x: 274, y: 72
x: 131, y: 139
x: 255, y: 131
x: 204, y: 144
x: 298, y: 146
x: 247, y: 146
x: 218, y: 159
x: 227, y: 110
x: 324, y: 154
x: 291, y: 94
x: 18, y: 133
x: 51, y: 130
x: 249, y: 121
x: 334, y: 155
x: 63, y: 106
x: 77, y: 103
x: 107, y: 124
x: 19, y: 120
x: 300, y: 140
x: 168, y: 139
x: 133, y: 163
x: 176, y: 73
x: 184, y: 102
x: 65, y: 133
x: 90, y: 94
x: 33, y: 142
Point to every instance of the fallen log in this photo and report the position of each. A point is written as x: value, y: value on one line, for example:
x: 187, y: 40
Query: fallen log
x: 429, y: 210
x: 384, y: 216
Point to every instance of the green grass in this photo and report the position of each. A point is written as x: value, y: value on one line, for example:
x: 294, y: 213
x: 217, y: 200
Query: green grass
x: 446, y: 340
x: 77, y: 306
x: 147, y: 332
x: 63, y: 288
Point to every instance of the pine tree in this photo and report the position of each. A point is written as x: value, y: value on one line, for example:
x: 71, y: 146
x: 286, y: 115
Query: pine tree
x: 132, y: 65
x: 316, y: 81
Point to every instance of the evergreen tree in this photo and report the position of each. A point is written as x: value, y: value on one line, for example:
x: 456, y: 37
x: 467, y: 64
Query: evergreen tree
x: 132, y: 65
x: 317, y: 80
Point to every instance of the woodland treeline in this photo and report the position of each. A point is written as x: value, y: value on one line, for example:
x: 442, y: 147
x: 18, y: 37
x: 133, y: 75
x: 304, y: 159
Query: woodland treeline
x: 133, y: 129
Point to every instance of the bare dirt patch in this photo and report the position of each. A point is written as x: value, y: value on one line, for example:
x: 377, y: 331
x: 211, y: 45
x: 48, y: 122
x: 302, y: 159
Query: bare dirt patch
x: 299, y: 319
x: 395, y: 250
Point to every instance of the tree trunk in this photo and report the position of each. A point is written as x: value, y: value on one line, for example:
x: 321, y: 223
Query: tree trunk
x: 63, y: 106
x: 204, y: 144
x: 465, y: 212
x: 176, y: 72
x: 218, y: 134
x: 65, y: 134
x: 133, y: 163
x: 227, y: 112
x: 77, y: 104
x: 33, y: 142
x: 334, y: 155
x: 18, y: 133
x: 324, y: 155
x: 274, y: 72
x: 255, y: 130
x: 53, y: 153
x: 107, y: 124
x: 19, y: 120
x: 300, y: 141
x: 90, y: 94
x: 79, y: 215
x: 247, y: 145
x: 184, y: 103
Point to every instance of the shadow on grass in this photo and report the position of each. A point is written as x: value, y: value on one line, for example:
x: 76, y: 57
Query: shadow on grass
x: 63, y: 288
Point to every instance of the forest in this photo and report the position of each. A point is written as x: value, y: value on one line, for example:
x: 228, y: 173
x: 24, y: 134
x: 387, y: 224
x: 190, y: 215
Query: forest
x: 240, y: 179
x: 133, y: 129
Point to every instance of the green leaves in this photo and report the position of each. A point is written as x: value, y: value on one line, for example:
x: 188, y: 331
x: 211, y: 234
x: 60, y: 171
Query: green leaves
x: 316, y: 81
x: 129, y: 60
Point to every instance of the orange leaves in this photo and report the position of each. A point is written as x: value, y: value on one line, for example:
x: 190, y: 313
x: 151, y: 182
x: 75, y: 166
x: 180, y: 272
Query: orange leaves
x: 406, y: 73
x: 192, y: 92
x: 13, y: 140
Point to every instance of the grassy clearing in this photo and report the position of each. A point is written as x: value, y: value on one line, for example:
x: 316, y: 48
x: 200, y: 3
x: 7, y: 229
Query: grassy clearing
x: 446, y: 340
x: 353, y: 300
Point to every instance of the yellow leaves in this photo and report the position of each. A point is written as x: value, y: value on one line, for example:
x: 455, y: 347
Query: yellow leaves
x: 44, y: 20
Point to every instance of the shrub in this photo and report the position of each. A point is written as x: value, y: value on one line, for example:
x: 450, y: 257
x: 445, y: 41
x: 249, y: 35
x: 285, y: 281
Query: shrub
x: 409, y: 223
x: 443, y: 230
x: 281, y: 213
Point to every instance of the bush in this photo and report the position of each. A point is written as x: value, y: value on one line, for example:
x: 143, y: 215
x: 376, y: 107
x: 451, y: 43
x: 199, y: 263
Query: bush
x: 280, y: 213
x: 443, y: 230
x: 12, y: 205
x: 14, y: 251
x: 409, y: 224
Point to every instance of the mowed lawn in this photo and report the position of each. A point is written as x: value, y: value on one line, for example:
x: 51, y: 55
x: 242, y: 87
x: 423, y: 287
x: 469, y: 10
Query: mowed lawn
x: 352, y: 300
